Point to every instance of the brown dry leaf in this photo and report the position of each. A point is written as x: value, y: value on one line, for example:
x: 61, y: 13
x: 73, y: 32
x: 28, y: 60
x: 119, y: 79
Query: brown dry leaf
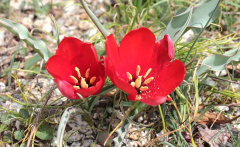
x: 209, y: 118
x: 234, y: 67
x: 215, y: 138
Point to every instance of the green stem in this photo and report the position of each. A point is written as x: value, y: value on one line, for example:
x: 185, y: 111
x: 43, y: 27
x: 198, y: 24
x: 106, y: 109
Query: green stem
x: 95, y: 20
x: 163, y: 121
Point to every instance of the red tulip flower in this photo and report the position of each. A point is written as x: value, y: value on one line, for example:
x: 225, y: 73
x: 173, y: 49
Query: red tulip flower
x: 76, y: 68
x: 144, y: 68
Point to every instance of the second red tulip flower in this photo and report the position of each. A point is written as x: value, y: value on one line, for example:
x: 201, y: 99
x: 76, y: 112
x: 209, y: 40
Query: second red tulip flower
x: 143, y: 68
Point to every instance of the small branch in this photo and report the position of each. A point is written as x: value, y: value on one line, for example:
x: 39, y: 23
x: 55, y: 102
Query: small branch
x: 122, y: 121
x: 224, y: 79
x: 35, y: 126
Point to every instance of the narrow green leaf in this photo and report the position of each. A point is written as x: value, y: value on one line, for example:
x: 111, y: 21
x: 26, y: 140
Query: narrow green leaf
x: 22, y: 32
x: 32, y: 61
x: 62, y: 125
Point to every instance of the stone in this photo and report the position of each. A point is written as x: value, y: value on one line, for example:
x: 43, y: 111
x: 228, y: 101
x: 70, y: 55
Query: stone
x: 119, y: 114
x: 188, y: 36
x: 84, y: 25
x: 75, y: 144
x: 87, y: 143
x: 140, y: 119
x: 135, y: 135
x: 27, y: 22
x: 74, y: 136
x: 114, y: 123
x: 2, y: 86
x: 2, y: 36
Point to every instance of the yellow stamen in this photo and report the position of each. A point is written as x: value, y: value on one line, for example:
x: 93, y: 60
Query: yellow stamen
x: 74, y: 79
x: 129, y: 76
x: 138, y: 97
x: 87, y: 73
x: 143, y: 88
x: 132, y: 84
x: 83, y: 83
x: 138, y: 82
x: 138, y: 70
x: 76, y: 87
x: 148, y: 80
x: 92, y: 80
x: 78, y: 72
x: 147, y: 73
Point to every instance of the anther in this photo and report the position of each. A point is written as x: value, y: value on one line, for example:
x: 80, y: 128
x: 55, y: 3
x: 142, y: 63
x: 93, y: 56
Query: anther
x: 76, y: 87
x: 87, y: 73
x: 132, y: 84
x: 147, y: 73
x: 78, y: 72
x: 74, y: 79
x: 92, y: 80
x: 138, y: 82
x: 148, y: 80
x: 138, y: 97
x: 83, y: 83
x: 138, y: 70
x: 129, y: 76
x: 143, y: 88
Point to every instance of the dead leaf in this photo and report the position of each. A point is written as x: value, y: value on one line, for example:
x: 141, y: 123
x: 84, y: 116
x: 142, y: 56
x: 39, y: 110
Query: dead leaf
x: 209, y: 118
x: 215, y: 138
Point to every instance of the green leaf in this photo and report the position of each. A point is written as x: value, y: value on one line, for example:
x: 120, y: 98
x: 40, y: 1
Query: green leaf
x: 6, y: 118
x: 218, y: 62
x: 45, y: 132
x: 18, y: 135
x: 32, y: 61
x: 24, y: 113
x: 62, y: 125
x: 22, y: 32
x: 3, y: 127
x: 7, y: 137
x: 200, y: 16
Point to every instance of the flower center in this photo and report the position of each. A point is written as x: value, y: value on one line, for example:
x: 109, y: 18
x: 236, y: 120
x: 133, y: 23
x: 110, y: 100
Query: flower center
x: 81, y: 82
x: 140, y: 82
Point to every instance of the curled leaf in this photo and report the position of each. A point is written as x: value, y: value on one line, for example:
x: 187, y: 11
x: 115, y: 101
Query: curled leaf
x: 201, y: 14
x: 218, y: 62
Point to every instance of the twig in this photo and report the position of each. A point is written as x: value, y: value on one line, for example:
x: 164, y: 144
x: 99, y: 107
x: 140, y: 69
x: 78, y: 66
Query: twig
x: 224, y: 79
x: 226, y: 121
x: 168, y: 133
x: 35, y: 126
x: 122, y: 121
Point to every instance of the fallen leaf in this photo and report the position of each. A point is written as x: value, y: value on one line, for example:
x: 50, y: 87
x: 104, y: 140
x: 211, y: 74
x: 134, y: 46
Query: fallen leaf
x: 215, y: 138
x: 209, y: 118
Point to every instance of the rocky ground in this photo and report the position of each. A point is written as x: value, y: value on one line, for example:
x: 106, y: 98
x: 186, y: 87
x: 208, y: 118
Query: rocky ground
x: 72, y: 21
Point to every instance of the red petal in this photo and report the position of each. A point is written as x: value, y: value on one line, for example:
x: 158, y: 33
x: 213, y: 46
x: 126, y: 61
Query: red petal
x: 86, y: 57
x: 112, y: 51
x: 119, y: 82
x: 154, y: 102
x: 59, y: 68
x: 136, y: 49
x: 167, y: 43
x: 66, y: 89
x: 103, y: 66
x: 92, y: 90
x: 163, y: 54
x: 166, y: 80
x: 68, y: 48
